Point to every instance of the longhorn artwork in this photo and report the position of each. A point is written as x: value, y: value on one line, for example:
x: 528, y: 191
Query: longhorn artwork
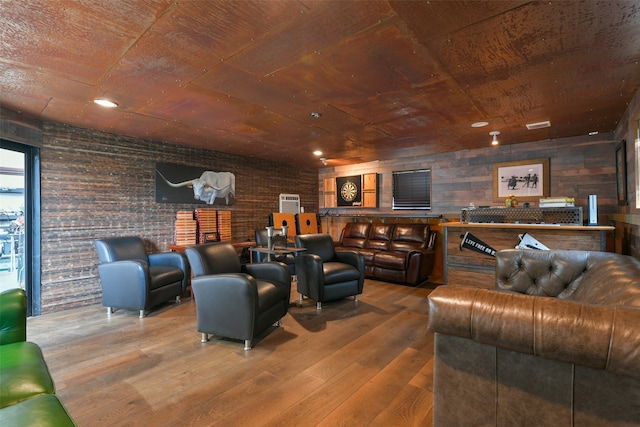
x: 184, y: 184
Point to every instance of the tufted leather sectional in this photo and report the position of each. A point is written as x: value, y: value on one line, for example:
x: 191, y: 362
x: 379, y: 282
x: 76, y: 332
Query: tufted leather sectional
x: 557, y: 343
x: 400, y: 253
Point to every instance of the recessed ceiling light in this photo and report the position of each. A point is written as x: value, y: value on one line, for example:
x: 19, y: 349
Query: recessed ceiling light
x: 315, y: 114
x: 317, y: 153
x: 479, y: 124
x: 539, y: 125
x: 105, y: 103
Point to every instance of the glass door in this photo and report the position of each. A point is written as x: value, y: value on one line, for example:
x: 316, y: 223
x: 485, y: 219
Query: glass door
x: 17, y: 166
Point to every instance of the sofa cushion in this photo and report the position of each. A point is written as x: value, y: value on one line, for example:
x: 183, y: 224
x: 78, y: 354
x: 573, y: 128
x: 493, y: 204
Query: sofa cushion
x: 390, y: 260
x: 380, y: 236
x: 42, y: 411
x: 23, y: 373
x: 355, y: 235
x: 164, y: 275
x: 407, y: 237
x: 337, y: 272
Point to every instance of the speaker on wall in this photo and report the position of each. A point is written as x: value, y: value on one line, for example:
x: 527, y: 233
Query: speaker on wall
x: 593, y: 209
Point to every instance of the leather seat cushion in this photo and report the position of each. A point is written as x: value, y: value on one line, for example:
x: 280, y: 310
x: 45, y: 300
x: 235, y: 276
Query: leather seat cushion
x: 269, y: 294
x: 44, y: 410
x: 337, y: 272
x: 164, y: 275
x: 23, y: 373
x: 390, y: 260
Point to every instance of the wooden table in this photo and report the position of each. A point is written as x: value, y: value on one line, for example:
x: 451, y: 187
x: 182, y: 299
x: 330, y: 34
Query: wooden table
x: 236, y: 245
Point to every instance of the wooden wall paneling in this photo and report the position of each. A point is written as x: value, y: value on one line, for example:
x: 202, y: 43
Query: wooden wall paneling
x: 329, y: 186
x: 370, y: 190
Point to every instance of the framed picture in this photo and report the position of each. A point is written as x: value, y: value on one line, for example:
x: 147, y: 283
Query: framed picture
x: 528, y: 180
x: 621, y: 172
x: 177, y: 183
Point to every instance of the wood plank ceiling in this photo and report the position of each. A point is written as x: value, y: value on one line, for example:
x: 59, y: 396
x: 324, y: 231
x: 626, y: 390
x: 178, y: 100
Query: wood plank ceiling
x: 389, y: 78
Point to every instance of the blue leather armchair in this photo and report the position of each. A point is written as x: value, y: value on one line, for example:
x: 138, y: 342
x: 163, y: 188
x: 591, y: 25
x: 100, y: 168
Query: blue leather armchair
x: 324, y: 274
x: 132, y: 279
x: 232, y: 303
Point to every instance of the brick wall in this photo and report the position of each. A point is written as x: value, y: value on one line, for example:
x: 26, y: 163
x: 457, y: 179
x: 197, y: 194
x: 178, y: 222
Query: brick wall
x: 96, y: 184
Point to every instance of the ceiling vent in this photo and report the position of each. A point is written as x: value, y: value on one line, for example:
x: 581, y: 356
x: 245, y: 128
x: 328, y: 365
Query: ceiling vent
x: 539, y: 125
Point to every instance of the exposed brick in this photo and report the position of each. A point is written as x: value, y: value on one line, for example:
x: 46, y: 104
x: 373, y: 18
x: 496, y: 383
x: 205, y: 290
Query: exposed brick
x: 95, y: 184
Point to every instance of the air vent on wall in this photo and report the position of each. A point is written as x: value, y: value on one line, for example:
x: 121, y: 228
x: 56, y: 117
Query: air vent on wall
x: 539, y: 125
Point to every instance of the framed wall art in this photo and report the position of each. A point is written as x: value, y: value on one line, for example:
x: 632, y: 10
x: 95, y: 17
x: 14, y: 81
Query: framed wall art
x: 621, y: 172
x: 528, y: 180
x: 187, y: 184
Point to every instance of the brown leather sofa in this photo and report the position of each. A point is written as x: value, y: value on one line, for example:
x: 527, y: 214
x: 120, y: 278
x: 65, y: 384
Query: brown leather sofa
x: 557, y: 343
x: 400, y: 253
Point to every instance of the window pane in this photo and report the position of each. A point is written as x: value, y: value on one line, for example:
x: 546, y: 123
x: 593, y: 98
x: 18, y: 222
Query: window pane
x: 412, y: 189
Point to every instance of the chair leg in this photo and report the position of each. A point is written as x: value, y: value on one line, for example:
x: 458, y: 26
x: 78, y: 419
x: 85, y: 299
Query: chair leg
x: 301, y: 297
x: 141, y: 314
x: 279, y: 323
x: 109, y: 311
x: 247, y: 344
x: 355, y: 298
x: 178, y: 299
x: 318, y: 305
x: 204, y: 337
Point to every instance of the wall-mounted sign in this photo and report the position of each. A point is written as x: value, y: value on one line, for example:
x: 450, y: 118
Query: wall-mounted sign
x: 349, y: 190
x: 469, y: 241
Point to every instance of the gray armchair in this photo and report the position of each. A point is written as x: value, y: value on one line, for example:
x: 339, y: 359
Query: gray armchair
x: 132, y: 279
x: 327, y: 275
x: 232, y: 303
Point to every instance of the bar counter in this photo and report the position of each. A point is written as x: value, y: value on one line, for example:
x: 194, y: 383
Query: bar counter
x: 476, y: 266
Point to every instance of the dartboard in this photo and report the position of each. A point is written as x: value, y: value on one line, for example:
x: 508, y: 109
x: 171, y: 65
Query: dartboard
x: 349, y: 191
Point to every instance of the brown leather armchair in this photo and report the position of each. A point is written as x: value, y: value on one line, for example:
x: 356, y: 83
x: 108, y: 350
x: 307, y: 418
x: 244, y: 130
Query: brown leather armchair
x: 327, y: 275
x: 232, y: 303
x: 134, y: 280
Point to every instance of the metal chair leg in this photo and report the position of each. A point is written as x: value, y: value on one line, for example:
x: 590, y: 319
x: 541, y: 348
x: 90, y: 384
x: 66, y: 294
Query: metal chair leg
x: 141, y: 314
x: 318, y: 305
x: 204, y: 337
x: 355, y: 298
x: 178, y: 299
x: 247, y: 344
x: 109, y: 311
x: 279, y: 323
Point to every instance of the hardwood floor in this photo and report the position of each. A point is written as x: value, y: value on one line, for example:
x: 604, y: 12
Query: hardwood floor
x: 351, y: 364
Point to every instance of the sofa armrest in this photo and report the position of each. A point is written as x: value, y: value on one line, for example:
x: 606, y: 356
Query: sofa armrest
x: 352, y: 258
x: 271, y: 271
x: 174, y: 259
x: 13, y: 316
x: 226, y: 302
x: 600, y: 337
x: 125, y: 282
